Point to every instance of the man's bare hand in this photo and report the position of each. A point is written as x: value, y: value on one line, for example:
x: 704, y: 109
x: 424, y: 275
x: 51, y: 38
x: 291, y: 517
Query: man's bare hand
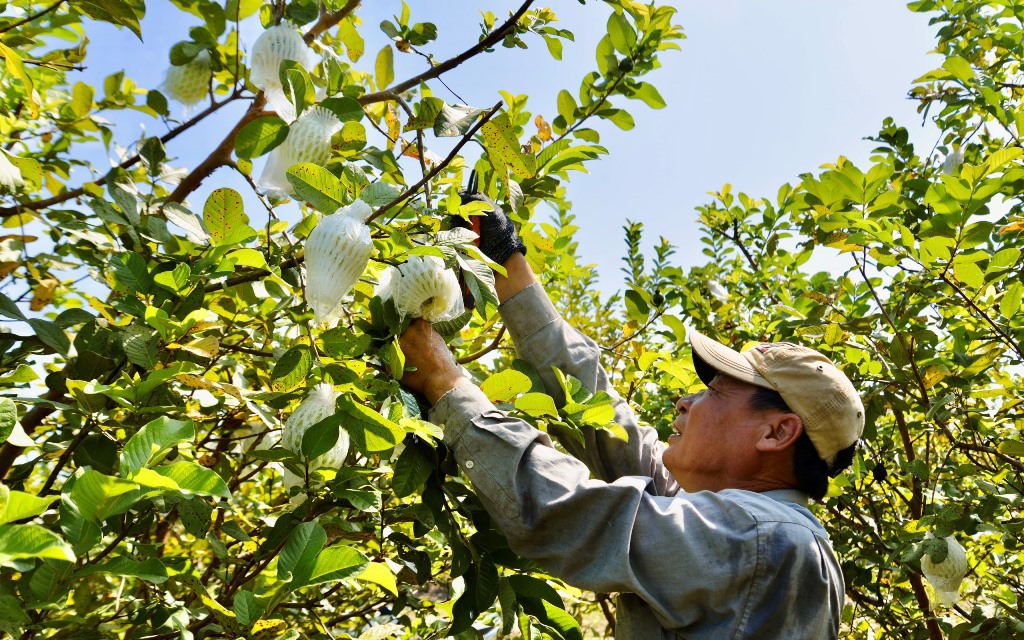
x: 435, y: 370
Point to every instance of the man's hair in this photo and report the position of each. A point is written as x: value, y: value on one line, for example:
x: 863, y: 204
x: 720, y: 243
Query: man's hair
x: 812, y: 473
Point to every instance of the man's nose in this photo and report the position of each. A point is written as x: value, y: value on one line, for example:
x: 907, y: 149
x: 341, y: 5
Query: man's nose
x: 684, y: 402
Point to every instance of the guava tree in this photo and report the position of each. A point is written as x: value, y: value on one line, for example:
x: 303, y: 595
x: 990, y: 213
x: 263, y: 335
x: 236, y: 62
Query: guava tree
x: 198, y: 440
x: 198, y: 443
x: 922, y: 305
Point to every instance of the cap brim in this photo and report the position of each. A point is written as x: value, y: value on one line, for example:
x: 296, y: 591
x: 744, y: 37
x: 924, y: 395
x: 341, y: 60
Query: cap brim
x: 711, y: 357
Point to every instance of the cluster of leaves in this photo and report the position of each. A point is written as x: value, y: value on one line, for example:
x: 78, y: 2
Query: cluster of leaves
x: 922, y: 306
x: 155, y: 351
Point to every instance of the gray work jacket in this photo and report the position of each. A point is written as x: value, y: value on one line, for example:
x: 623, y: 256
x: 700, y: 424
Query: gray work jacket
x: 717, y: 566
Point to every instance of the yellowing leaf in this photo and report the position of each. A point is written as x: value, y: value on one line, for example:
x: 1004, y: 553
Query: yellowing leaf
x: 505, y: 385
x: 380, y: 573
x: 543, y: 128
x: 17, y: 69
x: 42, y: 293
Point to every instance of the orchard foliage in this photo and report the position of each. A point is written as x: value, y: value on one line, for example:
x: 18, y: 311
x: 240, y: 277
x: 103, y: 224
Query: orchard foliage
x: 159, y: 479
x: 157, y: 346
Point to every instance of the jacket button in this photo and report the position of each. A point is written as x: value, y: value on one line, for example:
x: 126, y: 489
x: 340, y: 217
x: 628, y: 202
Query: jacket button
x: 470, y: 464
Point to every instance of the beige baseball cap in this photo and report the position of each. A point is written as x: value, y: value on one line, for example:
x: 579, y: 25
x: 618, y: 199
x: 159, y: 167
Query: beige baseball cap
x: 814, y: 388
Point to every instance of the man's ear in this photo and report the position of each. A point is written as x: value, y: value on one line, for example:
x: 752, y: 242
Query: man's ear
x: 781, y: 432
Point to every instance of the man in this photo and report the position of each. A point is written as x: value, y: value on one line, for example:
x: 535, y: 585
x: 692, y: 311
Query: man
x: 708, y: 537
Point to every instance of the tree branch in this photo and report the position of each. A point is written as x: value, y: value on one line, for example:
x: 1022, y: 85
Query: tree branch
x: 34, y: 16
x: 328, y: 19
x: 6, y: 212
x: 493, y: 38
x: 489, y: 348
x: 220, y: 156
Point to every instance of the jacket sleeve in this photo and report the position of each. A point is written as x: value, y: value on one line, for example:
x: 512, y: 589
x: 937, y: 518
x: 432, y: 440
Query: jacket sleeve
x: 678, y: 553
x: 545, y: 340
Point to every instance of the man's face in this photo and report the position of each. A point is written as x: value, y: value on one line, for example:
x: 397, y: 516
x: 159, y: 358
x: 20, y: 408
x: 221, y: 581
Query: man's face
x: 716, y: 432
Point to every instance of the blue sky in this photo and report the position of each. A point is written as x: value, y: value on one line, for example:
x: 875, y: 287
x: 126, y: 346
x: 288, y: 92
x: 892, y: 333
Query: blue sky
x: 761, y: 92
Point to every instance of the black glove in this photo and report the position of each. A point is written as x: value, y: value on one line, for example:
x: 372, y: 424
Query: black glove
x: 498, y: 238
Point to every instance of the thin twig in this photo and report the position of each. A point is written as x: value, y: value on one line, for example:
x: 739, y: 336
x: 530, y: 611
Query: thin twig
x: 489, y: 348
x: 896, y: 332
x: 1002, y: 334
x: 34, y: 16
x: 493, y: 38
x: 441, y: 165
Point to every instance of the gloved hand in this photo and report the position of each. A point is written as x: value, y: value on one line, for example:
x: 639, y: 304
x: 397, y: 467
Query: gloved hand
x: 498, y: 237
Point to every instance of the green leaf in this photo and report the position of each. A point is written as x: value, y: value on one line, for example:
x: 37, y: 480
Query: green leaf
x: 567, y: 106
x: 98, y: 496
x: 1009, y: 305
x: 529, y: 587
x: 353, y: 137
x: 297, y: 85
x: 412, y: 469
x: 82, y: 532
x: 175, y: 280
x: 193, y: 478
x: 190, y: 222
x: 554, y: 46
x: 24, y: 373
x: 354, y: 43
x: 960, y: 68
x: 621, y: 33
x: 385, y: 67
x: 117, y: 12
x: 1012, y: 448
x: 370, y: 431
x: 260, y: 136
x: 334, y: 563
x: 342, y: 342
x: 130, y: 270
x: 153, y: 439
x: 619, y: 117
x: 291, y: 369
x: 649, y: 95
x: 561, y: 621
x: 195, y: 516
x: 223, y: 214
x: 12, y: 615
x: 18, y: 505
x: 51, y: 335
x: 345, y: 109
x: 392, y: 355
x: 636, y: 306
x: 969, y: 274
x: 427, y: 111
x: 8, y: 418
x: 81, y: 99
x: 150, y: 569
x: 537, y: 405
x: 321, y: 437
x: 300, y: 551
x: 381, y: 574
x: 455, y: 120
x: 505, y: 385
x: 247, y: 609
x: 503, y: 147
x: 9, y: 309
x: 31, y: 541
x: 480, y: 281
x: 317, y: 186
